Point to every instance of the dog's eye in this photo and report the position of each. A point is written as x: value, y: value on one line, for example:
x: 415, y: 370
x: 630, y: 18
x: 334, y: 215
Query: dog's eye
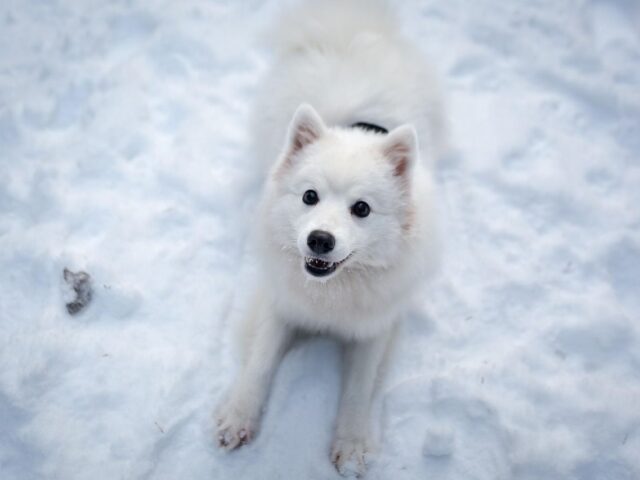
x: 360, y: 209
x: 310, y: 197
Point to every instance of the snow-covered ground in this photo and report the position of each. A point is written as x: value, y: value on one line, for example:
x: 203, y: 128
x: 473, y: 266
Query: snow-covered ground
x: 123, y: 153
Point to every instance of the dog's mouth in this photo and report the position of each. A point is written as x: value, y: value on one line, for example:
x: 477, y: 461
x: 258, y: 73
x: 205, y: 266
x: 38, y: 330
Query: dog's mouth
x: 321, y: 268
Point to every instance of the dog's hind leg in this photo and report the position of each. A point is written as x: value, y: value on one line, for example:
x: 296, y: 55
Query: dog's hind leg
x: 352, y: 442
x: 239, y: 413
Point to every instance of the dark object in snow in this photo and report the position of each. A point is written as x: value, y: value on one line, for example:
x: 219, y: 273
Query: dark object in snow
x: 81, y: 283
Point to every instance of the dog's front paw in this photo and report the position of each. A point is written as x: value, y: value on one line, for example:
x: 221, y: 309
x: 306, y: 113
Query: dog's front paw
x: 235, y: 426
x: 350, y: 456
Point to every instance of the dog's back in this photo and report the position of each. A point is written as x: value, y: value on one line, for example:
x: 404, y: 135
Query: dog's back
x: 349, y: 60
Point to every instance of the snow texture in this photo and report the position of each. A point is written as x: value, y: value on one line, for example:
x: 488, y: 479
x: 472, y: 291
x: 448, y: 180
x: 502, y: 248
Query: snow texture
x: 123, y: 147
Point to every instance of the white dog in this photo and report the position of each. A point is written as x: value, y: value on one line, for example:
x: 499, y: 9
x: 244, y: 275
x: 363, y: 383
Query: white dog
x: 347, y: 224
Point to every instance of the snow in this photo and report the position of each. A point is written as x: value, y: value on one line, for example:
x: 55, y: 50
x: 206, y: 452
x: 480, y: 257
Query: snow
x: 123, y: 146
x: 439, y: 441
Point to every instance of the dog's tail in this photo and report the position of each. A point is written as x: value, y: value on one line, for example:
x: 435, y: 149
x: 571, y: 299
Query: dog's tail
x: 331, y: 25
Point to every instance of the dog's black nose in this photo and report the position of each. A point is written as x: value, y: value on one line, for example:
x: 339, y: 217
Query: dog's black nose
x: 321, y: 242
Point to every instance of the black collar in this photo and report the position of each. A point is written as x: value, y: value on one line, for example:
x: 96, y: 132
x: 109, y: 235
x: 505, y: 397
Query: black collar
x: 370, y: 127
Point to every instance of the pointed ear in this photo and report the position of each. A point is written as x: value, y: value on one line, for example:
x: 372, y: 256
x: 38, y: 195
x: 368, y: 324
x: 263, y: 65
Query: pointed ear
x: 306, y: 127
x: 400, y: 147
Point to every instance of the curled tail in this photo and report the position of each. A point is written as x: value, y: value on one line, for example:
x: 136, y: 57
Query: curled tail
x: 331, y: 25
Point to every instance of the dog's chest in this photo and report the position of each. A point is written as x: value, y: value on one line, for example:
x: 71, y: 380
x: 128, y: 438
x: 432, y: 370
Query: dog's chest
x: 345, y: 312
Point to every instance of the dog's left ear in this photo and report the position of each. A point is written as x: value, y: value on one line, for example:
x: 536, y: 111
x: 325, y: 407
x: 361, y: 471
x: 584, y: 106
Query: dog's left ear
x: 400, y: 147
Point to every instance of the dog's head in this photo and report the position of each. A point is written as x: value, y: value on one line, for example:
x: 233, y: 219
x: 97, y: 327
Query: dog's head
x: 341, y: 197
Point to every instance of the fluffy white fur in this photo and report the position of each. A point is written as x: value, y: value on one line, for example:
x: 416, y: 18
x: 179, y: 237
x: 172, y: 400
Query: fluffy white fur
x: 337, y: 63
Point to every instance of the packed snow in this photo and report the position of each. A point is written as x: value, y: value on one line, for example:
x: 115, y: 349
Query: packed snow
x: 124, y: 154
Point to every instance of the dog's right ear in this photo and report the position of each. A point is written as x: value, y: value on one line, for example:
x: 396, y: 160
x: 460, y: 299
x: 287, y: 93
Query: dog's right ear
x: 305, y: 128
